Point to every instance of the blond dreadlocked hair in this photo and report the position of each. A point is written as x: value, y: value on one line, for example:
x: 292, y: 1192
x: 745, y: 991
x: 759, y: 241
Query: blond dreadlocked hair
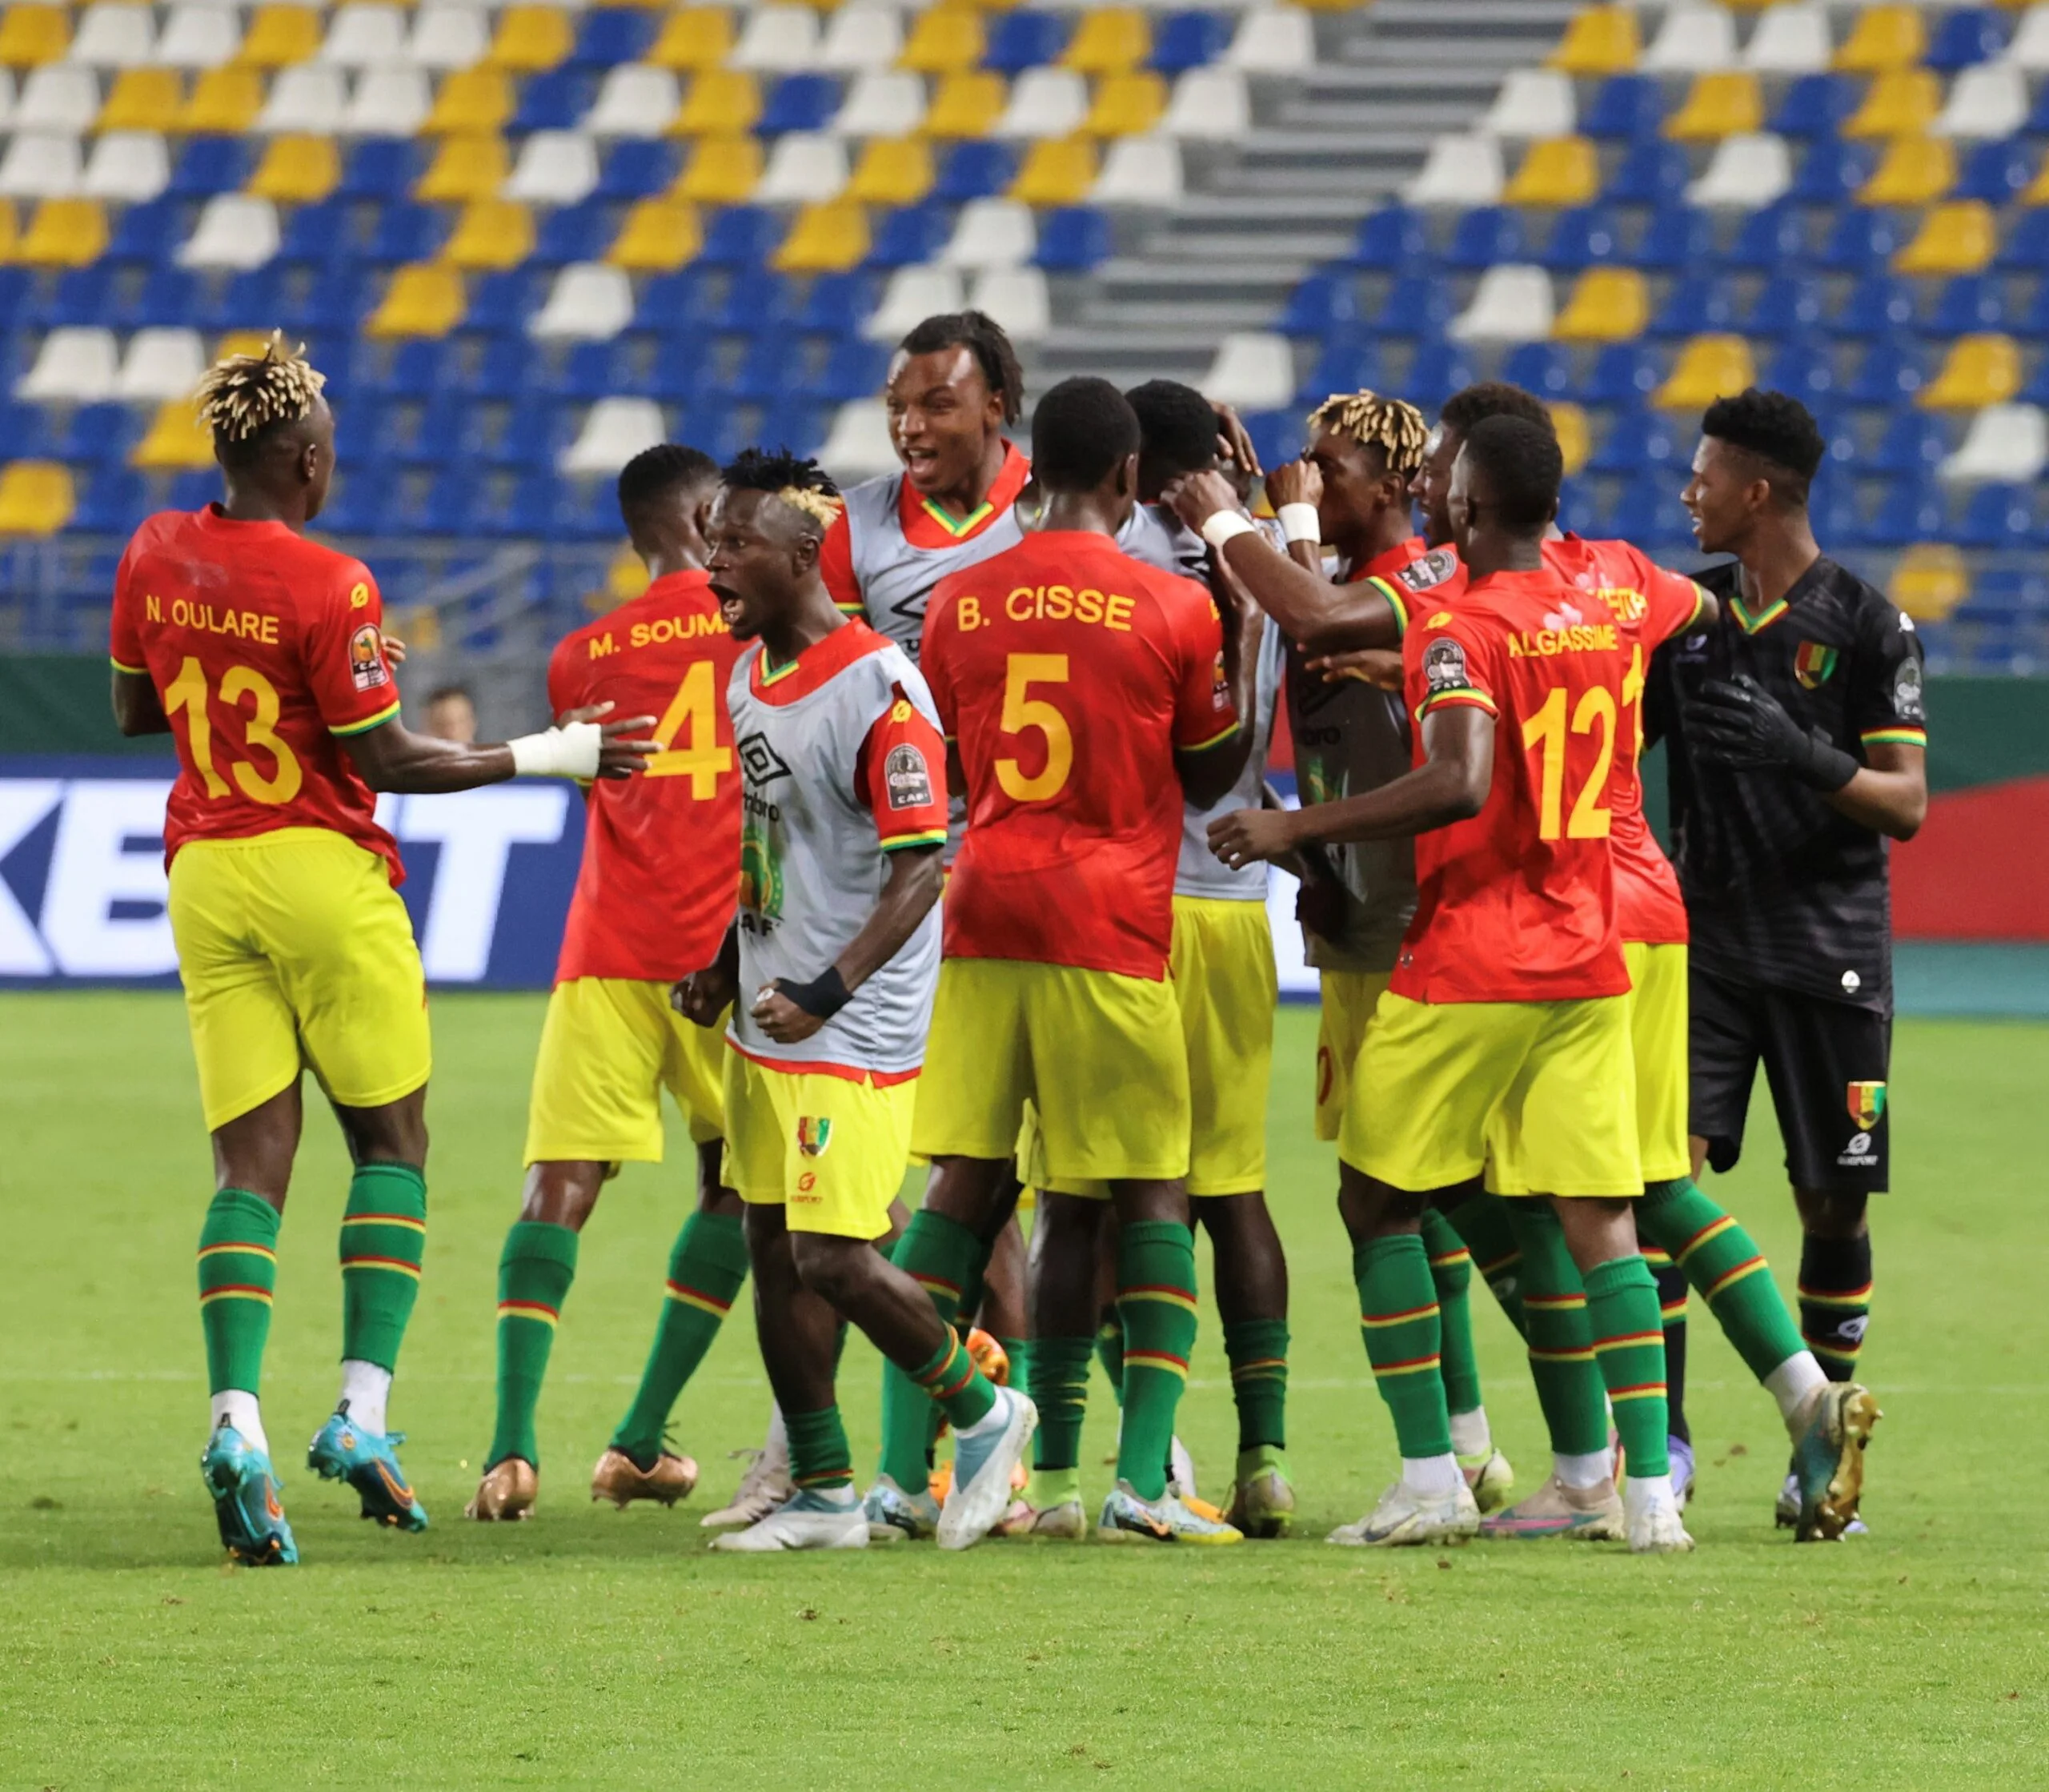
x: 244, y: 395
x: 1394, y: 427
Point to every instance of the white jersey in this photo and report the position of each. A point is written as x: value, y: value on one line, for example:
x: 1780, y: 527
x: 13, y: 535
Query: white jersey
x: 896, y: 578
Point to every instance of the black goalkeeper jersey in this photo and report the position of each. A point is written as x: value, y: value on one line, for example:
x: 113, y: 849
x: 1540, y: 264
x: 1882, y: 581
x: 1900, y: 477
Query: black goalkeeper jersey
x: 1781, y: 889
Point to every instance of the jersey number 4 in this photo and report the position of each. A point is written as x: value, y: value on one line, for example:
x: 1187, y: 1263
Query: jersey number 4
x: 188, y: 692
x: 1547, y: 730
x: 1021, y: 711
x: 693, y: 708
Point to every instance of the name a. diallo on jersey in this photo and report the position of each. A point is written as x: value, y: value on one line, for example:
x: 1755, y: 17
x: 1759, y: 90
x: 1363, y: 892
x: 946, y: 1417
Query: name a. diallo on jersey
x: 660, y: 630
x: 245, y: 625
x: 1578, y: 637
x: 1053, y: 603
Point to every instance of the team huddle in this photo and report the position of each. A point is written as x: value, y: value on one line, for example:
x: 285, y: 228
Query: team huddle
x: 929, y: 823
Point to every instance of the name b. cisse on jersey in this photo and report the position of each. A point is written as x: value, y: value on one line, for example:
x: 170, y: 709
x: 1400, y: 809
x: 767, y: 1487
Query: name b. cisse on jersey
x: 656, y: 632
x: 1047, y: 603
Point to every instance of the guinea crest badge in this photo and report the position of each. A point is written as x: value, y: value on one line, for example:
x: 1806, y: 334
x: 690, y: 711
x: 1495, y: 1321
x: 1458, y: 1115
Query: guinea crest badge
x: 1866, y: 1103
x: 813, y: 1136
x: 1812, y: 663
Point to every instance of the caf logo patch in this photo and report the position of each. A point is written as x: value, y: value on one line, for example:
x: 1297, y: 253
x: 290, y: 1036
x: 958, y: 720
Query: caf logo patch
x: 1812, y: 663
x: 366, y: 665
x: 813, y: 1137
x: 1430, y: 569
x: 1444, y: 666
x: 1866, y: 1103
x: 907, y: 777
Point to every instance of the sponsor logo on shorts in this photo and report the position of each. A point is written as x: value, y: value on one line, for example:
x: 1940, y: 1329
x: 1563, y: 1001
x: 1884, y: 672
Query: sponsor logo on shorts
x: 814, y: 1135
x: 1867, y: 1101
x: 1812, y: 663
x: 803, y: 1197
x: 366, y: 665
x: 1858, y: 1154
x: 907, y: 778
x: 1444, y: 667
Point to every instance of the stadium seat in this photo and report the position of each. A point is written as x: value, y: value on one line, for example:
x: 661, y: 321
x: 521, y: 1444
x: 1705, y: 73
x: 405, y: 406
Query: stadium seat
x: 1691, y: 40
x: 967, y: 104
x: 1747, y: 170
x: 1901, y: 101
x: 364, y: 34
x: 444, y: 38
x: 1708, y: 367
x: 1650, y: 172
x: 1252, y: 370
x: 1113, y: 40
x: 1996, y: 515
x: 1558, y: 171
x: 1140, y: 171
x: 554, y: 168
x: 1815, y: 106
x: 472, y: 166
x: 589, y: 302
x: 803, y: 166
x: 723, y: 169
x: 2005, y: 442
x: 1913, y: 443
x: 1017, y: 299
x: 776, y: 39
x: 861, y: 36
x: 225, y: 101
x: 234, y: 230
x: 2029, y: 51
x: 1988, y: 101
x: 1997, y: 172
x: 1791, y: 39
x: 1416, y: 305
x: 127, y: 166
x: 1347, y: 363
x: 945, y: 40
x: 1879, y: 305
x: 799, y: 102
x: 1188, y: 40
x: 740, y: 236
x: 881, y: 104
x: 142, y: 99
x: 471, y: 99
x: 40, y: 165
x: 975, y: 170
x: 1861, y: 242
x: 913, y: 293
x: 828, y: 237
x: 278, y: 36
x: 210, y: 165
x: 114, y: 498
x: 423, y: 299
x: 306, y: 98
x: 1977, y: 371
x: 2026, y: 248
x: 97, y: 433
x: 160, y: 364
x: 634, y: 100
x: 1608, y: 304
x: 1913, y: 171
x: 1678, y: 237
x: 1391, y: 237
x: 57, y: 97
x: 1631, y: 106
x: 1533, y: 103
x: 36, y: 498
x: 1127, y: 105
x: 1044, y: 102
x: 1717, y: 106
x: 1484, y: 237
x: 64, y: 233
x: 1694, y: 305
x: 497, y: 234
x: 1637, y: 439
x: 30, y: 35
x: 1439, y: 369
x: 75, y: 364
x: 1461, y: 171
x: 1272, y: 40
x: 1958, y: 237
x: 1056, y: 171
x: 1803, y: 367
x: 530, y: 39
x: 638, y: 168
x: 1599, y: 40
x: 909, y: 236
x: 1324, y: 302
x: 296, y: 170
x: 859, y: 439
x: 1544, y: 368
x: 1073, y: 239
x: 1968, y: 304
x: 892, y: 171
x: 1883, y: 37
x: 1512, y: 303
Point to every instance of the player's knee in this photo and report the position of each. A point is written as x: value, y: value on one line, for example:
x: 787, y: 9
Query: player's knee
x: 562, y: 1194
x: 830, y: 1267
x: 1831, y: 1212
x: 1371, y: 1209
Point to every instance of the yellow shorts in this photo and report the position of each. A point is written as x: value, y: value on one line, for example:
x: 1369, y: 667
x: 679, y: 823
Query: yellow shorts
x: 1349, y: 998
x: 295, y: 950
x: 831, y: 1150
x: 1658, y: 1044
x: 1554, y: 1078
x: 1099, y: 1055
x: 609, y: 1047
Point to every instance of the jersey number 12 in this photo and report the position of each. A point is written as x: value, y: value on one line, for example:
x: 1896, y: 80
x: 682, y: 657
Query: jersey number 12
x: 1589, y: 819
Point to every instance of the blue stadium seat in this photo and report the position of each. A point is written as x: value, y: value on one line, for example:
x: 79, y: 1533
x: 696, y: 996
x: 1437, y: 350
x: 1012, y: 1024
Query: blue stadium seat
x: 975, y: 168
x: 1577, y: 509
x: 837, y: 304
x: 1816, y: 105
x: 556, y: 99
x: 1678, y: 238
x: 80, y: 295
x: 1772, y: 238
x: 193, y: 490
x: 1996, y: 172
x: 96, y: 434
x: 1636, y: 438
x: 324, y: 231
x: 2038, y: 116
x: 1893, y: 370
x: 1072, y: 239
x: 1863, y: 240
x: 161, y: 297
x: 853, y: 369
x: 334, y: 301
x: 1839, y: 518
x: 1646, y: 511
x: 913, y: 234
x: 1878, y: 304
x: 1786, y: 305
x: 610, y: 34
x: 114, y: 501
x: 1323, y: 303
x: 1348, y: 363
x: 242, y: 300
x: 1624, y: 374
x: 529, y: 435
x: 504, y: 299
x: 1184, y: 41
x: 638, y: 168
x: 755, y: 374
x: 2007, y: 594
x: 1276, y: 435
x: 683, y: 369
x: 1626, y: 105
x: 15, y: 284
x: 804, y: 102
x: 382, y: 168
x: 741, y: 236
x: 1416, y: 305
x: 1652, y: 172
x: 1581, y: 236
x: 1966, y: 303
x: 1439, y: 369
x: 752, y: 303
x: 407, y: 231
x: 1831, y: 171
x: 585, y: 510
x: 150, y: 231
x: 1024, y: 39
x: 1394, y: 238
x: 1485, y: 236
x: 500, y: 366
x: 1914, y: 442
x: 1544, y: 368
x: 674, y: 303
x: 1996, y: 516
x: 577, y: 233
x: 801, y: 425
x: 1694, y: 305
x: 211, y: 165
x: 1801, y: 365
x: 1909, y: 509
x: 2026, y: 248
x: 413, y: 368
x: 1967, y: 35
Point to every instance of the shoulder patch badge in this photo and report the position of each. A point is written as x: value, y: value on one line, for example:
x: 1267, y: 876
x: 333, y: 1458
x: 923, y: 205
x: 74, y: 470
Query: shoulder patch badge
x: 1907, y: 699
x: 1444, y: 666
x: 1433, y: 569
x: 367, y: 666
x: 907, y: 777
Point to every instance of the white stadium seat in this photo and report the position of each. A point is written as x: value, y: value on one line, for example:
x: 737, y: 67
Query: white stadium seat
x: 861, y: 36
x: 881, y: 104
x: 6, y: 97
x: 199, y: 37
x: 305, y: 99
x: 1692, y: 40
x: 913, y: 294
x: 1533, y: 103
x: 992, y: 233
x: 859, y: 445
x: 1016, y: 298
x: 234, y: 230
x: 589, y: 302
x: 2005, y: 442
x: 447, y: 37
x: 1986, y: 101
x: 778, y: 40
x: 114, y: 37
x: 1272, y: 40
x: 614, y: 431
x: 1044, y: 102
x: 161, y: 364
x: 555, y: 168
x: 1254, y: 369
x: 364, y: 35
x: 40, y: 165
x: 1512, y: 303
x: 388, y: 102
x: 1140, y: 171
x: 2030, y: 47
x: 75, y: 365
x: 1210, y: 103
x: 635, y: 101
x: 1459, y: 171
x: 59, y: 96
x: 1790, y: 40
x: 1747, y: 171
x: 129, y: 166
x: 803, y: 166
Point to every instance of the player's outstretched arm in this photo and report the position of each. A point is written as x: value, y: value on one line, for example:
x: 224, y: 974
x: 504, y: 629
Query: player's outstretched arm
x: 1450, y: 785
x: 391, y: 757
x: 788, y: 1011
x: 137, y: 709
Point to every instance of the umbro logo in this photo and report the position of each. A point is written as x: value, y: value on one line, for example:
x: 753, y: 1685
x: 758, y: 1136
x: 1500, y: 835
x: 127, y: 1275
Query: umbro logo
x: 760, y: 762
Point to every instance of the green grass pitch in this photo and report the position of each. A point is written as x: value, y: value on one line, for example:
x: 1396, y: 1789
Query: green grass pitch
x: 590, y: 1644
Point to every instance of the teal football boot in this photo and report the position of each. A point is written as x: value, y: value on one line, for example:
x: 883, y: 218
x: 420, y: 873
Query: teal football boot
x: 245, y: 1493
x: 342, y: 1450
x: 1828, y: 1459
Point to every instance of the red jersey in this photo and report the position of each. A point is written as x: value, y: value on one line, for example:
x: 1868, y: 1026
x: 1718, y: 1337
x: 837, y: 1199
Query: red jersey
x: 1070, y: 674
x: 661, y: 851
x: 924, y: 525
x: 263, y: 648
x: 1518, y: 905
x: 1413, y: 577
x: 1650, y: 605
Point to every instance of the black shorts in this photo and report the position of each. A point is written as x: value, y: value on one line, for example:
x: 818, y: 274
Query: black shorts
x: 1826, y: 1062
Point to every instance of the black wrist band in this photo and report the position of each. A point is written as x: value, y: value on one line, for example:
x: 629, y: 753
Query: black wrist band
x: 1825, y: 767
x: 824, y: 996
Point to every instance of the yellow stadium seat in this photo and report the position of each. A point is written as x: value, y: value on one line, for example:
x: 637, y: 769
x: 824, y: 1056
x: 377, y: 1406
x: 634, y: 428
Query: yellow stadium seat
x: 1057, y: 171
x: 721, y: 171
x: 277, y: 36
x: 1559, y: 171
x: 1608, y: 305
x: 143, y: 99
x: 657, y: 236
x: 475, y: 99
x: 625, y: 579
x: 1126, y: 104
x: 1111, y: 42
x: 827, y: 238
x: 1600, y: 40
x: 947, y: 40
x: 1883, y: 37
x: 295, y: 171
x: 892, y: 171
x: 1575, y: 441
x: 1961, y: 237
x: 720, y: 101
x: 1904, y: 102
x: 1977, y: 372
x: 241, y: 342
x: 467, y: 165
x: 1719, y: 104
x: 30, y: 35
x: 1929, y: 580
x: 1709, y: 367
x: 35, y: 498
x: 64, y: 233
x: 1913, y: 171
x: 530, y: 38
x: 425, y: 298
x: 967, y: 104
x: 10, y: 229
x: 491, y: 233
x: 177, y: 440
x: 694, y: 38
x: 224, y: 102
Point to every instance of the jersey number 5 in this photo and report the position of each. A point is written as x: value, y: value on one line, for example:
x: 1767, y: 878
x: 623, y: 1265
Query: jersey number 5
x: 188, y: 692
x: 1589, y: 819
x: 695, y: 706
x: 1022, y: 711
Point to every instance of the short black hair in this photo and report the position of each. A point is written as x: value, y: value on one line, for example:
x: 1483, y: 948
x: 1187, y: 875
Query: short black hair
x: 654, y: 472
x: 1177, y: 425
x: 795, y: 479
x: 1081, y: 429
x: 1523, y: 466
x: 983, y: 337
x: 1777, y: 428
x: 1464, y: 410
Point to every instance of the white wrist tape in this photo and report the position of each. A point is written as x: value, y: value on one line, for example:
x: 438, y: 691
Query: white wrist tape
x: 564, y: 752
x: 1224, y: 524
x: 1298, y: 523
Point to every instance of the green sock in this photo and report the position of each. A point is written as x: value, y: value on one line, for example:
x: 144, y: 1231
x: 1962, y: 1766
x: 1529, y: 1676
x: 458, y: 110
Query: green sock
x: 1059, y: 1390
x: 383, y: 1239
x: 1398, y: 1316
x: 1483, y: 1222
x: 708, y: 1266
x: 535, y: 1271
x: 1629, y: 1344
x: 1451, y: 1274
x: 1019, y: 1351
x: 1672, y: 1292
x: 1720, y: 1259
x: 942, y: 1256
x: 1156, y: 1296
x: 238, y: 1269
x: 820, y: 1462
x: 953, y: 1382
x: 1569, y: 1385
x: 1257, y: 1349
x: 1109, y: 1352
